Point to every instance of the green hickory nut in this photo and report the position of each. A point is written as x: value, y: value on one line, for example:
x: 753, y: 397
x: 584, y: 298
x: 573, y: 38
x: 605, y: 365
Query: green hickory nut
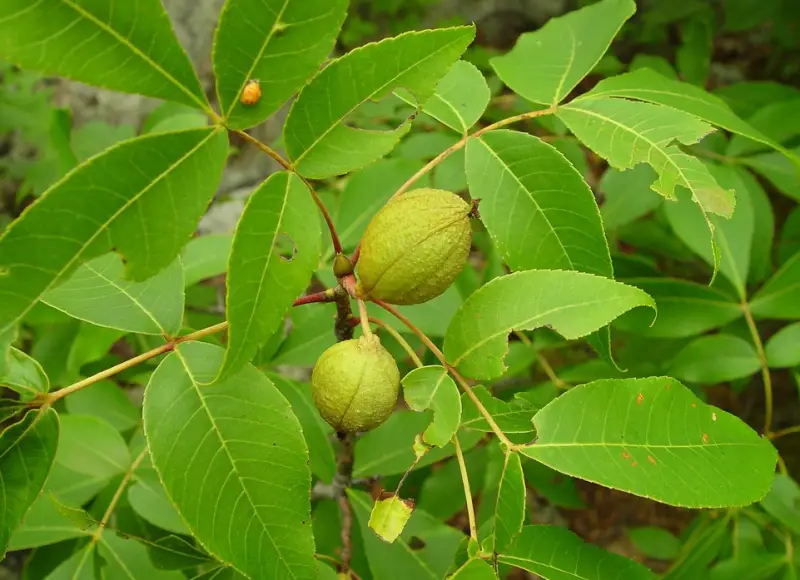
x: 355, y: 384
x: 414, y: 247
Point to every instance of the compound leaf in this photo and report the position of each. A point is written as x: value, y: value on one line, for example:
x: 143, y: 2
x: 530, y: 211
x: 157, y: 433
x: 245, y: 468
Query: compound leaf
x: 574, y: 304
x: 275, y: 250
x: 123, y: 46
x: 547, y: 64
x: 654, y: 438
x: 233, y: 460
x: 115, y: 200
x: 316, y: 136
x: 280, y: 43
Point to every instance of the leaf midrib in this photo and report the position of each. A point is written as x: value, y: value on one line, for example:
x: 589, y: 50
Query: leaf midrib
x: 134, y: 49
x: 389, y: 83
x: 235, y: 469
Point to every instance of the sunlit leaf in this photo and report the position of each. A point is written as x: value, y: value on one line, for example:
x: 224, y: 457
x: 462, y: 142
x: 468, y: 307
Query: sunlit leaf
x: 105, y: 201
x: 127, y: 46
x: 475, y: 570
x: 316, y: 136
x: 280, y: 43
x: 558, y: 554
x: 547, y: 64
x: 27, y: 451
x: 233, y: 461
x: 432, y: 388
x: 574, y: 304
x: 653, y: 437
x: 98, y: 292
x: 275, y: 250
x: 460, y: 98
x: 509, y: 513
x: 389, y: 516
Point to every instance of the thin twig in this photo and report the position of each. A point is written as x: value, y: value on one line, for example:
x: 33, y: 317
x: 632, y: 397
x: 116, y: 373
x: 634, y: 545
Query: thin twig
x: 399, y: 338
x: 452, y: 149
x: 118, y: 494
x: 765, y: 374
x: 287, y: 166
x: 323, y: 296
x: 462, y: 465
x: 341, y: 481
x: 543, y: 362
x: 363, y: 317
x: 783, y: 432
x: 456, y: 375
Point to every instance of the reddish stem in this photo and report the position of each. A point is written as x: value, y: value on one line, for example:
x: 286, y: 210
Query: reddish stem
x: 324, y: 296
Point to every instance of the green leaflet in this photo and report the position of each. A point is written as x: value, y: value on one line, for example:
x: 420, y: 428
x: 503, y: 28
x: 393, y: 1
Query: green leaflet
x: 233, y: 461
x: 547, y: 64
x: 126, y: 46
x: 574, y: 304
x: 275, y: 250
x: 646, y: 436
x: 315, y: 135
x: 27, y: 452
x: 105, y: 200
x: 280, y: 43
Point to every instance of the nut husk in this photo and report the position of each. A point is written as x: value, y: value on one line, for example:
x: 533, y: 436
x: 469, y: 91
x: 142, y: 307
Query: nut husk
x: 414, y: 247
x: 355, y: 384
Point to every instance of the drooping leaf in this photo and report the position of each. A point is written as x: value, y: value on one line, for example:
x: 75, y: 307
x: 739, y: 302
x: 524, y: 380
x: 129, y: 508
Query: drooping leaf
x: 547, y: 64
x: 233, y: 461
x: 509, y: 512
x: 316, y: 431
x: 538, y: 209
x: 778, y: 297
x: 648, y: 85
x: 98, y: 292
x: 574, y: 304
x: 316, y: 137
x: 280, y: 43
x: 734, y: 236
x: 389, y: 516
x: 431, y: 387
x: 627, y: 133
x: 684, y: 309
x: 402, y: 558
x: 24, y: 375
x: 105, y: 400
x: 653, y: 437
x: 783, y: 347
x: 558, y: 554
x: 275, y: 250
x: 205, y: 257
x: 27, y: 451
x: 460, y: 98
x: 128, y: 47
x: 655, y: 542
x: 105, y: 201
x: 513, y: 416
x: 714, y: 359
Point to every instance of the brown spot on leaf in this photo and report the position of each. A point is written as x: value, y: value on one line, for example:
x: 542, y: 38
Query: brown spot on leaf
x: 651, y: 459
x: 634, y: 464
x: 626, y: 455
x: 639, y: 399
x: 705, y: 437
x: 693, y: 405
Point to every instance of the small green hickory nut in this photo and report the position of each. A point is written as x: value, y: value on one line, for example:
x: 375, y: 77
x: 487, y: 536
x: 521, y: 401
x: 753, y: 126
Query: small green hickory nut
x: 414, y: 247
x: 355, y: 384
